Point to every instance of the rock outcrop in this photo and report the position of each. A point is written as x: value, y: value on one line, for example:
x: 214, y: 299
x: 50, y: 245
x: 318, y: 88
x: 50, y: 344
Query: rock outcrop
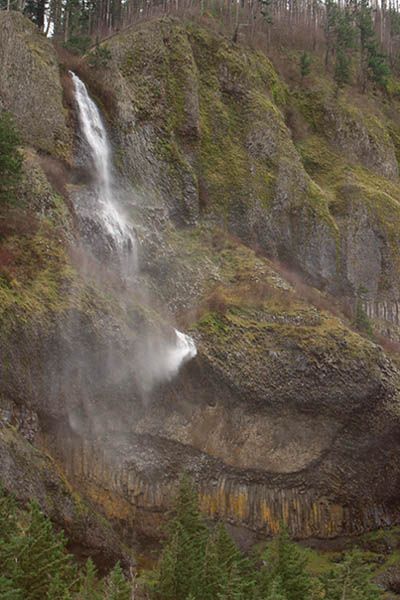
x: 286, y: 412
x: 204, y: 124
x: 29, y: 81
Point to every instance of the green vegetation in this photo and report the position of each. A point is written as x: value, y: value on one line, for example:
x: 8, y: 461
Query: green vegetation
x: 10, y: 159
x: 78, y: 44
x: 351, y: 579
x: 203, y: 563
x: 361, y: 320
x: 373, y: 62
x: 35, y: 564
x: 100, y: 57
x: 305, y: 64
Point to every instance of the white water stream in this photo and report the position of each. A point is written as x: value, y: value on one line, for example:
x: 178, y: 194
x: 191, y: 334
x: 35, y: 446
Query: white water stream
x: 115, y: 222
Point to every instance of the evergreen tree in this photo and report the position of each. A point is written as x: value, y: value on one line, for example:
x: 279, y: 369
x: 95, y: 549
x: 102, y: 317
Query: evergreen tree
x: 182, y: 564
x: 342, y: 69
x: 40, y: 556
x: 228, y: 555
x: 117, y: 587
x: 361, y: 320
x: 233, y: 587
x: 276, y: 592
x: 345, y: 42
x: 89, y: 585
x: 305, y: 64
x: 8, y: 591
x: 285, y: 561
x: 379, y: 71
x: 213, y: 575
x: 331, y: 17
x: 351, y: 580
x: 226, y: 549
x: 8, y: 516
x: 167, y: 583
x: 373, y: 63
x: 58, y: 588
x: 36, y: 566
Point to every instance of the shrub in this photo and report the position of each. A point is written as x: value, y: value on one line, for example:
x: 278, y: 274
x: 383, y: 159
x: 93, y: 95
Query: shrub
x: 100, y: 57
x: 78, y: 44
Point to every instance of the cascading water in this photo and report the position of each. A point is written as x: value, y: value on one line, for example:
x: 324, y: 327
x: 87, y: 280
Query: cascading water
x: 167, y: 364
x: 96, y: 136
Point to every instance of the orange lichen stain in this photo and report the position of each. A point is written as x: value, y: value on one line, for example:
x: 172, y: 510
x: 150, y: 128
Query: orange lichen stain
x: 222, y: 504
x: 267, y: 518
x: 265, y: 513
x: 239, y: 505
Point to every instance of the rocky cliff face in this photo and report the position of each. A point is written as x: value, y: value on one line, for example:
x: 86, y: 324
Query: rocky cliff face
x: 321, y: 195
x: 286, y: 412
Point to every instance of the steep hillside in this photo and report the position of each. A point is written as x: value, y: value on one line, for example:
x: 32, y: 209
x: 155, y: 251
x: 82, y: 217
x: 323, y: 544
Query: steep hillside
x: 287, y: 412
x: 321, y: 196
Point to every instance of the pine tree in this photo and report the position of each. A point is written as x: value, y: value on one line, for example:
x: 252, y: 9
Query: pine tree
x: 229, y: 555
x: 117, y: 587
x: 379, y: 71
x: 36, y: 566
x: 285, y: 561
x: 58, y: 588
x: 213, y: 576
x: 8, y: 591
x: 345, y: 42
x: 40, y: 556
x: 89, y: 586
x: 8, y: 516
x: 276, y: 592
x: 351, y: 579
x: 226, y: 549
x: 373, y: 63
x: 305, y: 64
x: 331, y: 17
x: 233, y: 587
x: 167, y: 584
x: 183, y: 560
x: 265, y: 10
x: 342, y: 68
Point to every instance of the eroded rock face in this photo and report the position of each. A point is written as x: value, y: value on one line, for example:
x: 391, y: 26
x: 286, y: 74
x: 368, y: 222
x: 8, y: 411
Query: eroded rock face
x: 286, y: 413
x: 363, y: 138
x: 29, y: 81
x: 200, y: 126
x: 200, y: 129
x: 29, y: 474
x: 254, y: 466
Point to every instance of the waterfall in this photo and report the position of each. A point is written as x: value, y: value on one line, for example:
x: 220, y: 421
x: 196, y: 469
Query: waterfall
x: 96, y: 137
x: 166, y: 364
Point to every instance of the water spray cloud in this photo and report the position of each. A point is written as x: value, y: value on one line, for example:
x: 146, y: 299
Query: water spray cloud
x: 162, y: 359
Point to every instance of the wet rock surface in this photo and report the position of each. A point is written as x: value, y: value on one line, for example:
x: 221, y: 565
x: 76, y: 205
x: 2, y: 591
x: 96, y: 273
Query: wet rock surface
x: 286, y: 412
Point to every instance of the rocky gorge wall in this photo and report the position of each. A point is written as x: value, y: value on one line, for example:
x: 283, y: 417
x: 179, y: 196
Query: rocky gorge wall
x: 286, y: 412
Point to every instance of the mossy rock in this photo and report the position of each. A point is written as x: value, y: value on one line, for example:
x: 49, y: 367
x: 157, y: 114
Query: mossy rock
x: 29, y: 80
